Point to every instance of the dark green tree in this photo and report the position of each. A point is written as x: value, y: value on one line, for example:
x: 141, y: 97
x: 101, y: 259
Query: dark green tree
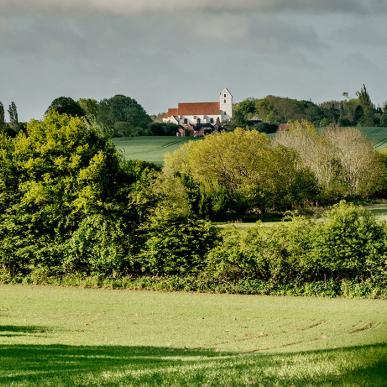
x: 66, y: 105
x: 365, y: 102
x: 2, y: 115
x: 121, y: 109
x: 13, y: 117
x: 89, y: 106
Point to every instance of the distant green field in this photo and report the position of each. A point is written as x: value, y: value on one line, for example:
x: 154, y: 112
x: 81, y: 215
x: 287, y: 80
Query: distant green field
x: 52, y: 336
x: 154, y: 148
x: 378, y: 210
x: 378, y: 136
x: 149, y: 148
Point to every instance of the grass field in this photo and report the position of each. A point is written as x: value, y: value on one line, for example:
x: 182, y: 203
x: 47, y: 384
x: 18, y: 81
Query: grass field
x: 379, y: 210
x: 148, y: 148
x: 154, y: 148
x: 378, y: 136
x: 69, y: 336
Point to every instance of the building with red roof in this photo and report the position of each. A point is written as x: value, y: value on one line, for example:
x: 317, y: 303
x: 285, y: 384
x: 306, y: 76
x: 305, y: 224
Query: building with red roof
x: 193, y: 114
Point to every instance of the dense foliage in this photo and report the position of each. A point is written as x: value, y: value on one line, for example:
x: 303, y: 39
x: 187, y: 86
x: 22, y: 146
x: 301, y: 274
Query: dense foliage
x: 349, y: 245
x: 59, y: 181
x: 71, y: 208
x: 358, y: 111
x: 237, y: 173
x: 66, y: 105
x: 343, y: 161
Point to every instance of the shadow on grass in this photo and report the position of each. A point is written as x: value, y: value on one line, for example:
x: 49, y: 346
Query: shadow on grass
x: 116, y: 365
x: 19, y: 330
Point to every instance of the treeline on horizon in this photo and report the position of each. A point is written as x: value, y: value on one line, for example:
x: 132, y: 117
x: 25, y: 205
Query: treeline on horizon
x: 72, y: 208
x: 122, y: 116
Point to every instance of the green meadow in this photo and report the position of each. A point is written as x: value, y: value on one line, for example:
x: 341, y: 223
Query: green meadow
x: 148, y: 148
x: 52, y: 336
x: 154, y: 148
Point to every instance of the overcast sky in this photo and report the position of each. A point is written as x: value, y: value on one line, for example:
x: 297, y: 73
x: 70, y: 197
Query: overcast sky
x: 161, y: 52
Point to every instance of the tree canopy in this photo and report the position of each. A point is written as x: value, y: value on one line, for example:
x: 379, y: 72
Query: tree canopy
x: 66, y: 105
x: 236, y: 173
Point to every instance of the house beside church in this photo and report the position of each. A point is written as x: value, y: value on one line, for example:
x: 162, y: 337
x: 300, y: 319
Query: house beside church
x: 195, y: 118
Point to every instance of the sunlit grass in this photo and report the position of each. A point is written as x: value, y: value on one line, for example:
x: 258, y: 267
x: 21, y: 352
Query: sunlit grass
x: 69, y: 336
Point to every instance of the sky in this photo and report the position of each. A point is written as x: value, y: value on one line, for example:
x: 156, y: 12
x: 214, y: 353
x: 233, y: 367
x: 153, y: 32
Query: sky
x: 162, y: 52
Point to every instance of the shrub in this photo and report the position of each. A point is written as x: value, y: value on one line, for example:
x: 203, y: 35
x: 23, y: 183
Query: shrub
x: 278, y: 254
x: 176, y: 245
x: 352, y: 244
x: 99, y: 246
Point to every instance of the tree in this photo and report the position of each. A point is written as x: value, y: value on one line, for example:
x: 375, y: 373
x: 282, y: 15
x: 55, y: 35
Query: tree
x: 342, y: 159
x: 383, y: 118
x: 66, y: 105
x: 13, y: 117
x: 364, y: 98
x: 231, y: 174
x: 89, y: 106
x: 125, y: 110
x: 69, y: 179
x: 368, y: 118
x: 314, y: 153
x: 2, y: 115
x: 361, y: 169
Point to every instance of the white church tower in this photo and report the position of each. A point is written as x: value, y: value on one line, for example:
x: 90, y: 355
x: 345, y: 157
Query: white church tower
x: 226, y: 101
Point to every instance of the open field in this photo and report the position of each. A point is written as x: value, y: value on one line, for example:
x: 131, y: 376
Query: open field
x: 149, y: 148
x: 379, y: 210
x: 378, y: 136
x: 154, y: 148
x: 70, y: 336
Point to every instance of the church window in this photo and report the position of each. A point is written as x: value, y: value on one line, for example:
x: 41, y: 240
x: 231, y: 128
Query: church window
x: 225, y: 96
x: 185, y: 120
x: 211, y: 120
x: 225, y: 101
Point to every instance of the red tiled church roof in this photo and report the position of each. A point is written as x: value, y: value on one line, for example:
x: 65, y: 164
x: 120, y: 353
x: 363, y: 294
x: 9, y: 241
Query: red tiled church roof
x: 198, y: 108
x: 172, y: 112
x: 194, y: 109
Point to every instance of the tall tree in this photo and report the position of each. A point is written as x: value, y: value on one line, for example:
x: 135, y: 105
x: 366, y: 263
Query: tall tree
x: 2, y: 116
x: 364, y: 98
x: 13, y: 116
x: 368, y: 107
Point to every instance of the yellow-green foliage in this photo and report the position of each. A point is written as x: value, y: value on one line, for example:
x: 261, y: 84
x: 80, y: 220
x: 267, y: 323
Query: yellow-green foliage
x: 239, y: 171
x: 59, y: 180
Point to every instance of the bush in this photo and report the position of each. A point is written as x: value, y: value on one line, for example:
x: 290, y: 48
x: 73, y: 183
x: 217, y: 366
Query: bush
x: 349, y: 245
x: 279, y: 255
x: 352, y: 244
x: 99, y: 246
x: 176, y: 245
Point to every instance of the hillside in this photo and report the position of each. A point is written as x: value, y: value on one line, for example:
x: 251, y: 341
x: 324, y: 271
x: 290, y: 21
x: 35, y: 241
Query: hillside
x: 149, y: 148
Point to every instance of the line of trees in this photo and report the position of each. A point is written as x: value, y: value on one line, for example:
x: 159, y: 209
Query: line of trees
x: 243, y: 173
x: 13, y: 125
x: 358, y: 111
x: 118, y: 116
x: 71, y: 206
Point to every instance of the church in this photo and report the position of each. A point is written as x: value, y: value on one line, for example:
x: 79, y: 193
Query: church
x: 200, y: 114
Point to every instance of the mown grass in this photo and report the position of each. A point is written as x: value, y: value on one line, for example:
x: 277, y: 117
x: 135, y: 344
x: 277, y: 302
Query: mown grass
x: 69, y: 336
x: 149, y: 148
